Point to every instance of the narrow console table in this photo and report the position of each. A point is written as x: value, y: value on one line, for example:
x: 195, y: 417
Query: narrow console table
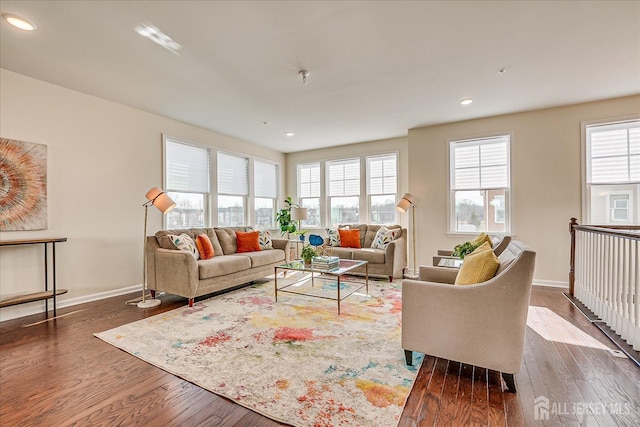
x: 47, y: 294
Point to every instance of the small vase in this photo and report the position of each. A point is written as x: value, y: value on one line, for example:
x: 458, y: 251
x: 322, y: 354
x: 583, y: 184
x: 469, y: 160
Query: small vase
x: 302, y: 237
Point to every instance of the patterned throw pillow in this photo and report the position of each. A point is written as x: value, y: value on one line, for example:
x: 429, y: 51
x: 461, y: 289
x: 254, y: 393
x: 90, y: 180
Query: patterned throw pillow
x: 384, y: 236
x: 265, y: 240
x: 185, y: 243
x: 334, y: 236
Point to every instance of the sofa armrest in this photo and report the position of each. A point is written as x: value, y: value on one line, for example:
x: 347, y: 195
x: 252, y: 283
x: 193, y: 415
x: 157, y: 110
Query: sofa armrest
x: 395, y: 256
x: 176, y: 272
x: 438, y: 274
x: 285, y: 245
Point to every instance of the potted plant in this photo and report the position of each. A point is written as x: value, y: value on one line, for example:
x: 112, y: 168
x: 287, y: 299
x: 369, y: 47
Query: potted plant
x: 463, y: 249
x: 308, y: 253
x: 287, y: 225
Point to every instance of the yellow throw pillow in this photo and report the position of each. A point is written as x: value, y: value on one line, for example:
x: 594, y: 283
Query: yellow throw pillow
x: 479, y: 266
x: 481, y: 238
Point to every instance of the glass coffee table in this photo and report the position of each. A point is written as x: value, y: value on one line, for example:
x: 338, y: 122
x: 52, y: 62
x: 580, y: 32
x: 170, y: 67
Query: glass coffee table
x: 337, y: 280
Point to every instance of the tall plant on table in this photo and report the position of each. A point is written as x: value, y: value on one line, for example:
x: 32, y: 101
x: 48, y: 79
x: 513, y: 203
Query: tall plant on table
x: 287, y: 225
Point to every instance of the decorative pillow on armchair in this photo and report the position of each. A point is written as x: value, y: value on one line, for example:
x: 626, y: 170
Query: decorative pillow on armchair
x: 384, y: 236
x: 479, y: 266
x: 184, y: 242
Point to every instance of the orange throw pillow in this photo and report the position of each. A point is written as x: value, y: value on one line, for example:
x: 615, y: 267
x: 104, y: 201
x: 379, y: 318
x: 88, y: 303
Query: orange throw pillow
x: 248, y: 242
x: 349, y: 238
x: 205, y: 247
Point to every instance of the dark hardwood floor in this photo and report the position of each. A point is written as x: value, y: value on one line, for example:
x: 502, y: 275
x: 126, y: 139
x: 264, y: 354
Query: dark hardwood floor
x: 56, y: 373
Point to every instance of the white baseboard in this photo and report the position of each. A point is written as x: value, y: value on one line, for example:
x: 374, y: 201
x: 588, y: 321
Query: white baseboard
x: 38, y: 306
x: 551, y: 283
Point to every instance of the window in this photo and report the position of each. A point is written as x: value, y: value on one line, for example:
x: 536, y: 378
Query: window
x: 186, y: 170
x: 343, y: 177
x: 612, y: 172
x: 265, y: 185
x: 309, y: 193
x: 233, y: 189
x: 382, y: 188
x: 480, y: 183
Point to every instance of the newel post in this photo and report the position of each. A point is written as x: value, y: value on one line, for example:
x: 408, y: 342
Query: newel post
x: 572, y: 262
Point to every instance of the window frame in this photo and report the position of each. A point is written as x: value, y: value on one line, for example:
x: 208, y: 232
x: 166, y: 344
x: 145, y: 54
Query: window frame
x: 206, y: 196
x: 329, y: 198
x: 585, y: 152
x: 245, y: 197
x: 368, y: 186
x: 252, y: 191
x: 508, y: 195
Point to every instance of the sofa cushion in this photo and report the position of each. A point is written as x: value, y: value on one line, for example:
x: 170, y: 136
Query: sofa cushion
x: 205, y: 248
x: 374, y: 256
x: 185, y: 243
x: 350, y: 238
x: 247, y: 241
x: 481, y: 238
x: 165, y: 242
x: 261, y: 258
x: 227, y: 238
x: 342, y: 253
x: 222, y: 265
x: 479, y: 266
x: 334, y: 236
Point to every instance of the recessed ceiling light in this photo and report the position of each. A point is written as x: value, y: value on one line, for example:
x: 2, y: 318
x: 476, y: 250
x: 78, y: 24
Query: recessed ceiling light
x: 502, y: 70
x: 290, y: 133
x: 19, y: 22
x: 466, y: 101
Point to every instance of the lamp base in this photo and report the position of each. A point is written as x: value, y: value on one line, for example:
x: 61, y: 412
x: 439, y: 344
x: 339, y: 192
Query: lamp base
x: 150, y: 303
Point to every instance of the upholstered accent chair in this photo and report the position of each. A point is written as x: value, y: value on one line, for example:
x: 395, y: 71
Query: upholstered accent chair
x: 480, y: 324
x: 499, y: 243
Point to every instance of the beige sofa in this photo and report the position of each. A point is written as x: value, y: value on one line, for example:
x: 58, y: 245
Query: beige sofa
x: 177, y: 272
x: 482, y: 324
x: 388, y: 263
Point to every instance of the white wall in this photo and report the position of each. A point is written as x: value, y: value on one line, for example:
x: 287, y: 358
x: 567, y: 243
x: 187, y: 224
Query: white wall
x: 102, y: 159
x: 546, y: 183
x: 384, y: 146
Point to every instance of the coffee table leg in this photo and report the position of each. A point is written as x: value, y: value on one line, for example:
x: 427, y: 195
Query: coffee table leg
x: 275, y: 280
x: 366, y: 277
x: 338, y: 295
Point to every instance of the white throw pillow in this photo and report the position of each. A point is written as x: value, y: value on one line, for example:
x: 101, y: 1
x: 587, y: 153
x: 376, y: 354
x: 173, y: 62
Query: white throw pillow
x: 384, y: 236
x: 334, y: 236
x: 265, y: 240
x: 184, y: 242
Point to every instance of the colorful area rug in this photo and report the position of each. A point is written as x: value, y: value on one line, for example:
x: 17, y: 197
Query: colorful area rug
x: 296, y: 361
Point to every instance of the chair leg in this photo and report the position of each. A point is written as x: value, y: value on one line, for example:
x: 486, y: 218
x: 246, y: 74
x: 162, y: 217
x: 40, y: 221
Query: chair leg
x: 191, y: 302
x: 408, y: 357
x: 153, y: 293
x: 510, y: 381
x: 390, y: 279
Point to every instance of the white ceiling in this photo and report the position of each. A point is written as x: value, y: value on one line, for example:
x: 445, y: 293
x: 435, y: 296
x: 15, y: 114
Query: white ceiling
x: 377, y: 68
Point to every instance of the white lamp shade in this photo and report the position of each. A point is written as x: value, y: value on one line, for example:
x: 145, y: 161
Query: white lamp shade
x: 405, y: 203
x: 160, y: 200
x: 298, y: 214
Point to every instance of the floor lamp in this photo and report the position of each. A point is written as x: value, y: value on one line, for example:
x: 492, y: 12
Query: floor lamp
x: 163, y: 202
x: 299, y: 214
x: 403, y: 206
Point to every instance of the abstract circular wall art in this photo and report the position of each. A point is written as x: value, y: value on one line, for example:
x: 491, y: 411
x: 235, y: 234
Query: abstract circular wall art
x: 23, y: 185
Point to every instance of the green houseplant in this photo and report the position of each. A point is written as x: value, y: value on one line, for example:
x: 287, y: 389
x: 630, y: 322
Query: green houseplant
x: 308, y: 253
x: 464, y: 249
x: 287, y: 225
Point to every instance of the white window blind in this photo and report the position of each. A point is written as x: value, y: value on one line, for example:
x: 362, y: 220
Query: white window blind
x: 382, y: 176
x: 186, y: 167
x: 344, y: 178
x: 265, y: 177
x: 233, y: 174
x: 613, y: 153
x: 309, y: 179
x: 480, y: 164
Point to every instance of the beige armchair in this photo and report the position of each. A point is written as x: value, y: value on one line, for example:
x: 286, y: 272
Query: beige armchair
x: 481, y: 325
x: 498, y: 244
